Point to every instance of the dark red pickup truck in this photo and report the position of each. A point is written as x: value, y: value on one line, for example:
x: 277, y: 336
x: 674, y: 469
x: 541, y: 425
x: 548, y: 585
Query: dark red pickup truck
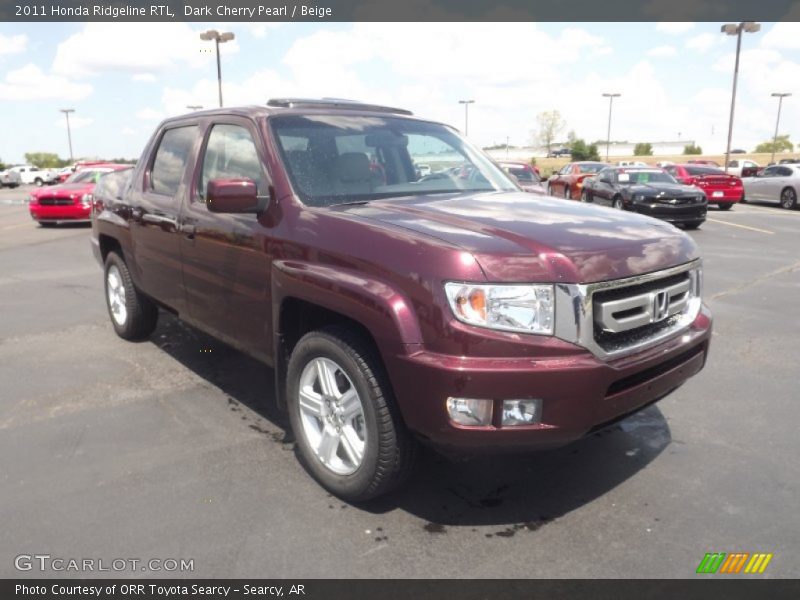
x: 397, y: 307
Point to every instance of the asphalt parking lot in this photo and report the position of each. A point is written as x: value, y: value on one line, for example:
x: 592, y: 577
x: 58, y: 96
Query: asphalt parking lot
x: 172, y: 448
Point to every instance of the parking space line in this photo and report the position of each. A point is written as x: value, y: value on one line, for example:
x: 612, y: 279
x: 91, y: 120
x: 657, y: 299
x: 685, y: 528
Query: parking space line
x: 742, y: 226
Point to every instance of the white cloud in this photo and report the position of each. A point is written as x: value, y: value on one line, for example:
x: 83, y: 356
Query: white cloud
x: 704, y: 42
x: 783, y: 35
x: 144, y: 78
x: 75, y: 122
x: 149, y: 114
x: 128, y: 47
x: 13, y: 44
x: 259, y: 30
x: 31, y: 83
x: 128, y: 131
x: 662, y: 51
x: 674, y: 28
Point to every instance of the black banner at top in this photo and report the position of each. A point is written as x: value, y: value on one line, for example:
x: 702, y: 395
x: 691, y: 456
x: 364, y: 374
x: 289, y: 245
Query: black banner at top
x: 398, y: 10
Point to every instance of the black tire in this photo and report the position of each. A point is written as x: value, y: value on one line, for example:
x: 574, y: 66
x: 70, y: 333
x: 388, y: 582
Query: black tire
x: 618, y: 203
x: 566, y: 192
x: 585, y: 197
x: 389, y: 450
x: 141, y: 313
x: 743, y: 200
x: 692, y: 224
x: 549, y: 190
x: 725, y: 206
x: 47, y: 224
x: 788, y: 198
x: 38, y: 181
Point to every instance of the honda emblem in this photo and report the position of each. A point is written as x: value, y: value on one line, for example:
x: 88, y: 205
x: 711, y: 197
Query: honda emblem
x: 660, y: 306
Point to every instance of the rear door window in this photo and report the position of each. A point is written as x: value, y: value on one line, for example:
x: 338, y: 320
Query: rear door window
x: 170, y: 160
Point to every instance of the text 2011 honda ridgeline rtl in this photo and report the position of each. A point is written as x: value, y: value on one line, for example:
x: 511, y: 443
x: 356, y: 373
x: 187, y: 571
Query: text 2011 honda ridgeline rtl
x: 450, y: 308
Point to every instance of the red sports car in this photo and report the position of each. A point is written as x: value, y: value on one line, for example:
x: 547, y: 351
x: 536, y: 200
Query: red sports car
x: 720, y: 188
x: 526, y: 175
x: 70, y: 201
x: 568, y: 182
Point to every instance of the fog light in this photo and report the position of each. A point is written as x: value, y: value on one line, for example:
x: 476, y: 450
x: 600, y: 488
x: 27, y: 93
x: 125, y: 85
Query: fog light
x: 470, y: 411
x: 522, y: 412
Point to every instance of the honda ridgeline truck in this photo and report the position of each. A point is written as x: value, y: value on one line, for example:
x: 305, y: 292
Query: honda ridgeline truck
x: 395, y: 307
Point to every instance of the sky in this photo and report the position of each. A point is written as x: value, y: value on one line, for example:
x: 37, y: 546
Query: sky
x: 123, y: 78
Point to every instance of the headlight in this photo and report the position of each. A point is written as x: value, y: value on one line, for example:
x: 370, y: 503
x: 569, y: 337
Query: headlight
x: 638, y: 197
x: 86, y: 199
x: 521, y: 308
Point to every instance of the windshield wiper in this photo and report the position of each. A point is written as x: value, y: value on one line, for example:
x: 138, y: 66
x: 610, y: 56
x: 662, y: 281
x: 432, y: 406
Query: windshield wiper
x: 350, y: 203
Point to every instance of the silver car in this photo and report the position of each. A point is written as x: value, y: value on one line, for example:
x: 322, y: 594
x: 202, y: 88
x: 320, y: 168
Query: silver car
x: 778, y: 183
x: 10, y: 179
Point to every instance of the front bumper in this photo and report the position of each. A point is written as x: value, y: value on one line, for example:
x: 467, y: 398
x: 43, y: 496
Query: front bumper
x: 579, y: 391
x: 60, y: 213
x: 679, y: 213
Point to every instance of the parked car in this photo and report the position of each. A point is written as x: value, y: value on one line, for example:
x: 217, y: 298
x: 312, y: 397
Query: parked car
x: 789, y: 161
x: 65, y: 173
x: 559, y: 153
x: 69, y: 201
x: 464, y: 313
x: 742, y: 168
x: 720, y: 188
x: 738, y: 151
x: 10, y: 178
x: 651, y: 192
x: 568, y: 182
x: 525, y: 174
x: 778, y: 183
x: 631, y: 163
x: 30, y: 174
x: 664, y: 163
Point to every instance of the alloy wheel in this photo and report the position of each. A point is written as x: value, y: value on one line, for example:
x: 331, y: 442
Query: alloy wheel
x: 116, y: 295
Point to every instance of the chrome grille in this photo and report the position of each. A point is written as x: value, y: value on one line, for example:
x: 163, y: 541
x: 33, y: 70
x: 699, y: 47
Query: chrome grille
x: 615, y: 318
x: 56, y: 201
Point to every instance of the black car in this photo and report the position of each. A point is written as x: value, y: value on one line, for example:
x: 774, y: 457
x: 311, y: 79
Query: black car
x: 650, y: 192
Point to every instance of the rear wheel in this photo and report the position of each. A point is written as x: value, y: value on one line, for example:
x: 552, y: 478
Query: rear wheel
x: 788, y: 198
x: 743, y: 200
x: 725, y: 206
x: 133, y: 315
x: 585, y: 197
x: 349, y: 433
x: 566, y: 192
x: 692, y: 224
x: 617, y: 203
x: 38, y: 181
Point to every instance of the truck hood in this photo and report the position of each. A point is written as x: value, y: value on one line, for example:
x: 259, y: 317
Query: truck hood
x: 518, y: 237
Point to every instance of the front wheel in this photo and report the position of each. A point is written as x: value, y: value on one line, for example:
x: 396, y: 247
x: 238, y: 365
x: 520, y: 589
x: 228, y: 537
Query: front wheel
x: 133, y: 315
x: 789, y: 198
x: 617, y: 203
x: 349, y: 433
x: 566, y: 192
x: 585, y: 197
x: 38, y: 181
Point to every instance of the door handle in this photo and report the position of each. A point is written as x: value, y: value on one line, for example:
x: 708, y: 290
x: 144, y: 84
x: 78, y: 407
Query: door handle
x: 189, y: 230
x: 159, y: 219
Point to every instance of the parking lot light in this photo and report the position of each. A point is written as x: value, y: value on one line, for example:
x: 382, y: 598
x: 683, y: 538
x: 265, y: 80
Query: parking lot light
x: 734, y: 29
x: 780, y: 96
x: 66, y: 112
x: 466, y: 104
x: 219, y: 38
x: 610, y: 97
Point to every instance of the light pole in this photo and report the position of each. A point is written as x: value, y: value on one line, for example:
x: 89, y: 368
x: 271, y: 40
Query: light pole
x: 219, y: 38
x: 66, y: 112
x: 194, y: 106
x: 780, y: 96
x: 734, y: 29
x: 466, y: 104
x: 610, y: 97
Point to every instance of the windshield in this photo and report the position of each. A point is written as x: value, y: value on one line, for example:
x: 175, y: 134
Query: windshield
x: 704, y: 171
x: 591, y: 167
x: 85, y: 176
x: 334, y: 159
x: 643, y: 177
x: 521, y: 173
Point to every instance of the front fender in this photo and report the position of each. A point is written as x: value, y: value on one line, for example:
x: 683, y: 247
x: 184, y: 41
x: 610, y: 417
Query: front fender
x: 384, y: 310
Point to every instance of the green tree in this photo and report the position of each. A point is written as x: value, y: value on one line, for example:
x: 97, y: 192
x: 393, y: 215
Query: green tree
x: 781, y: 144
x: 581, y: 151
x: 643, y: 149
x: 692, y: 149
x: 2, y: 165
x: 45, y: 160
x: 550, y: 125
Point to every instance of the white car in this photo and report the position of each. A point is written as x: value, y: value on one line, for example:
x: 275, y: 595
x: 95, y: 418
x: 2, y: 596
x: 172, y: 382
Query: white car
x: 35, y: 175
x: 9, y: 178
x: 778, y: 183
x: 736, y: 166
x: 631, y: 163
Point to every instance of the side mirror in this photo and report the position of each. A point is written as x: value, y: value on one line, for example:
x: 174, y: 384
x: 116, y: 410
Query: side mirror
x: 234, y: 196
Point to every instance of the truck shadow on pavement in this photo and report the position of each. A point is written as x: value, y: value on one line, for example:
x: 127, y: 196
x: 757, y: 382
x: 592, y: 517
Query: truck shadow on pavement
x: 514, y: 492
